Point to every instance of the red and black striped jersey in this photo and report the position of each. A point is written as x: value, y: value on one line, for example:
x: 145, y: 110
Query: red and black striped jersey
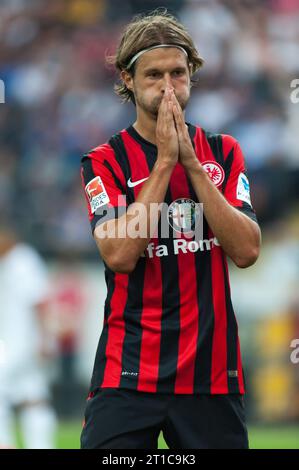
x: 169, y: 326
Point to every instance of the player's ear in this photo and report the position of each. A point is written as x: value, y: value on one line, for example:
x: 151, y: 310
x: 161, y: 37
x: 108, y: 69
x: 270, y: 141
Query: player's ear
x: 127, y: 79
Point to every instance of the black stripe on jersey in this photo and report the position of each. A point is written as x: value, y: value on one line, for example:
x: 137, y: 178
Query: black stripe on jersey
x: 121, y: 156
x: 247, y: 210
x: 215, y: 142
x: 150, y: 151
x: 100, y: 359
x: 116, y: 180
x: 231, y: 337
x: 244, y: 379
x: 88, y: 173
x: 227, y: 168
x: 192, y: 132
x: 133, y: 331
x: 203, y: 360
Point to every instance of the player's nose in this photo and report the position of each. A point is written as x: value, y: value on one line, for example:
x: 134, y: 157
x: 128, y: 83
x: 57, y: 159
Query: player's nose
x: 167, y: 83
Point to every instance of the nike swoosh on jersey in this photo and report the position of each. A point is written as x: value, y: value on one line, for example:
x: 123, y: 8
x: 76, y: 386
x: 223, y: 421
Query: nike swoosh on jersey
x: 131, y: 184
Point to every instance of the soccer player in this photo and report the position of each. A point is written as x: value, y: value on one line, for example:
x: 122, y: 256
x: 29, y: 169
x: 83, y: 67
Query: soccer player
x: 23, y: 384
x: 169, y: 355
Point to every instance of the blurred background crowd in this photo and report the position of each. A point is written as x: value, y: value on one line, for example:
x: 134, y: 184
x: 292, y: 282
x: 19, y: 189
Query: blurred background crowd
x: 59, y: 103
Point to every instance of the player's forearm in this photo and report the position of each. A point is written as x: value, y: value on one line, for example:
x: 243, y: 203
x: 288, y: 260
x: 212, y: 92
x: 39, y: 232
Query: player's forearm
x: 122, y: 241
x: 238, y: 235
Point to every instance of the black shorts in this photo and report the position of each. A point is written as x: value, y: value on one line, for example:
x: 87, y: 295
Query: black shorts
x: 128, y: 419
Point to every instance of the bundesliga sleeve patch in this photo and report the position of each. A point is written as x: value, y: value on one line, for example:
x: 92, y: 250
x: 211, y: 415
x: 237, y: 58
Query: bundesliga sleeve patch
x: 243, y: 189
x: 96, y: 193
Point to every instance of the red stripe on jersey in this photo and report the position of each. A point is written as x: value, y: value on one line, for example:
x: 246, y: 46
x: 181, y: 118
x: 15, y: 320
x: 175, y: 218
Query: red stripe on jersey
x: 219, y: 351
x: 116, y: 333
x: 151, y: 314
x: 188, y: 300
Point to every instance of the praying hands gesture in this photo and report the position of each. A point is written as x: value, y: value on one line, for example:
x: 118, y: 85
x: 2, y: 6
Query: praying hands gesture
x: 187, y: 156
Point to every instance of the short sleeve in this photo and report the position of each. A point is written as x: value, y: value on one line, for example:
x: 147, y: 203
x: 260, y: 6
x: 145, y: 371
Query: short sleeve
x: 103, y: 183
x: 237, y: 187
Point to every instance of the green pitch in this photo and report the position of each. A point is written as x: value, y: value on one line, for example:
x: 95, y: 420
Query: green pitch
x: 284, y: 437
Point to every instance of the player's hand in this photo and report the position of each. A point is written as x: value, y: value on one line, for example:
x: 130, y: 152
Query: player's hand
x: 166, y: 134
x: 187, y: 155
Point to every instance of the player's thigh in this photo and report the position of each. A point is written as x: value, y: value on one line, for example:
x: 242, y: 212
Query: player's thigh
x: 119, y: 419
x: 206, y: 422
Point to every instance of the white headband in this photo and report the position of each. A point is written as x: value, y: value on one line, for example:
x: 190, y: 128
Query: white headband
x: 136, y: 56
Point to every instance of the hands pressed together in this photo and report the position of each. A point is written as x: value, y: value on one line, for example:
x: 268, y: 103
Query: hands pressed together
x: 173, y: 140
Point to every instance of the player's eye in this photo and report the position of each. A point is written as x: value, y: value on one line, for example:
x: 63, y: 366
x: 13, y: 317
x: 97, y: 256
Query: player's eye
x: 178, y: 73
x: 154, y: 74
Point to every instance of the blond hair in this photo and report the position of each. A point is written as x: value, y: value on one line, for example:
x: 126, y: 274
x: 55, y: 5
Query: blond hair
x: 146, y: 30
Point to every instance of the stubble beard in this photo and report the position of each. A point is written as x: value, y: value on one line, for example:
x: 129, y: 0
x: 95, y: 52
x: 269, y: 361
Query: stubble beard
x: 153, y: 107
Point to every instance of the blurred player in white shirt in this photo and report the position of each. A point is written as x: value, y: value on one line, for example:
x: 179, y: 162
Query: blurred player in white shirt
x: 23, y: 384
